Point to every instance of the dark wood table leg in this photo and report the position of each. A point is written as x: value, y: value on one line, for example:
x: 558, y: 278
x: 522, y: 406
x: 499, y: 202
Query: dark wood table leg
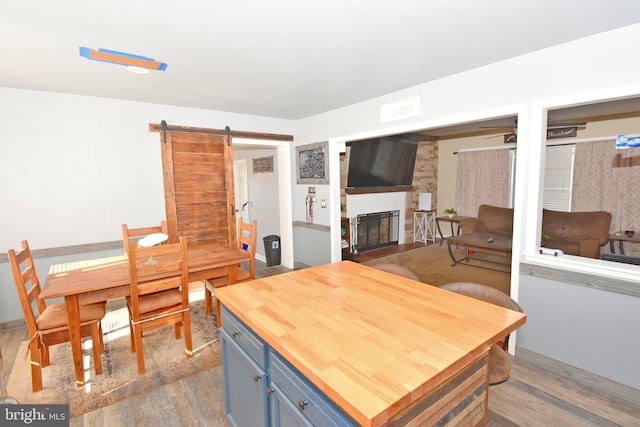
x: 439, y: 231
x: 457, y: 234
x: 453, y: 258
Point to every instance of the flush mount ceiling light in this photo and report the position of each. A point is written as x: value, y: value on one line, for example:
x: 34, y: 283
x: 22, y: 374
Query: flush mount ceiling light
x: 137, y: 70
x: 134, y: 63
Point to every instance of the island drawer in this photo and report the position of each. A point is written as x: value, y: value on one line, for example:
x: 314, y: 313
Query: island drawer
x: 310, y: 401
x: 244, y: 337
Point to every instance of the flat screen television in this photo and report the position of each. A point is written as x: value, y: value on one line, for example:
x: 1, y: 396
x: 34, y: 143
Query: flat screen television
x: 382, y: 162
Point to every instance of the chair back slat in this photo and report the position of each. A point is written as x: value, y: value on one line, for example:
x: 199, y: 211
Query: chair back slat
x: 153, y: 286
x: 159, y: 296
x: 247, y: 236
x: 27, y: 285
x: 129, y: 234
x: 158, y: 268
x: 46, y: 333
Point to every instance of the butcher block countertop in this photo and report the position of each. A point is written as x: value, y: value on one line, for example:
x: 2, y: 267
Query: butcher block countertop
x: 372, y: 341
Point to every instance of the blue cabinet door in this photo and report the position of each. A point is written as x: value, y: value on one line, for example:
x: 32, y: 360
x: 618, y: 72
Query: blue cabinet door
x: 245, y: 386
x: 296, y: 402
x: 283, y: 413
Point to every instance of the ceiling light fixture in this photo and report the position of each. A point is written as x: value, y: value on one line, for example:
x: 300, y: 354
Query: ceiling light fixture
x: 137, y: 70
x: 132, y: 62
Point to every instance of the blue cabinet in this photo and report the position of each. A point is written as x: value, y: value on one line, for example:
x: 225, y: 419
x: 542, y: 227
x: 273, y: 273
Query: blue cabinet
x: 297, y: 402
x: 245, y: 376
x: 279, y: 395
x: 283, y: 411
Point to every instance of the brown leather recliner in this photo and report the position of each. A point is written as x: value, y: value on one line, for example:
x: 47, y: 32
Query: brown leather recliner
x: 576, y: 233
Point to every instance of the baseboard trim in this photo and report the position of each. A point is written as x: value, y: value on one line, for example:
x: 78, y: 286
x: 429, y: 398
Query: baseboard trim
x: 12, y: 325
x: 317, y: 227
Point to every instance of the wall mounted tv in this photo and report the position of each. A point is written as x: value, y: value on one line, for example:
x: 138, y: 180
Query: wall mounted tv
x: 382, y: 162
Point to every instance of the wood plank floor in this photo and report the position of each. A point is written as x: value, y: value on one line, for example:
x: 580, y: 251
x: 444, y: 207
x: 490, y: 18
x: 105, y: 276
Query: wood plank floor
x: 381, y: 252
x: 540, y: 392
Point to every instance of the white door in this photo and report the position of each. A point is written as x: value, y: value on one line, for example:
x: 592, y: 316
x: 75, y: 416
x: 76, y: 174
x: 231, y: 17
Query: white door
x: 241, y: 190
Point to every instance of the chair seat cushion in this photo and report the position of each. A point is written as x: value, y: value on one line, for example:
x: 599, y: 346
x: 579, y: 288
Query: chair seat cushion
x: 55, y: 315
x: 158, y: 300
x: 241, y: 276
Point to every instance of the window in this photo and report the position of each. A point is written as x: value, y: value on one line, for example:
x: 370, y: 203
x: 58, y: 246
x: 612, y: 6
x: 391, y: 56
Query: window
x: 558, y: 175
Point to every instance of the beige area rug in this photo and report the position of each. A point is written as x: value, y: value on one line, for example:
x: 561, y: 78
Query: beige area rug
x: 165, y: 362
x: 432, y: 265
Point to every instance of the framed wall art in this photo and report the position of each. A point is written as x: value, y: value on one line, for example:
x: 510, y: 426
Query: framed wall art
x: 312, y: 163
x: 263, y: 164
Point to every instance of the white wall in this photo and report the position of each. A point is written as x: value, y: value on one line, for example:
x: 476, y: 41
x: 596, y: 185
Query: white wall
x: 591, y: 69
x: 86, y: 165
x: 505, y: 88
x: 583, y: 327
x: 312, y: 242
x: 74, y: 168
x: 311, y: 246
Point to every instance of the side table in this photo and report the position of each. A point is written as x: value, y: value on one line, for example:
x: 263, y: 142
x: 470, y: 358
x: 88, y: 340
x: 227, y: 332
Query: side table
x: 621, y: 237
x: 424, y: 226
x: 455, y: 219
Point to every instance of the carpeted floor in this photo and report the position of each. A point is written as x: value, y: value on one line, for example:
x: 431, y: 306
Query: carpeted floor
x: 432, y: 265
x: 165, y: 363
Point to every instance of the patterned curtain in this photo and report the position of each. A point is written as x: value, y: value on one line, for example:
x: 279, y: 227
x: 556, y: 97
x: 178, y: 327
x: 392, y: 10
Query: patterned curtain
x: 483, y: 179
x: 608, y: 179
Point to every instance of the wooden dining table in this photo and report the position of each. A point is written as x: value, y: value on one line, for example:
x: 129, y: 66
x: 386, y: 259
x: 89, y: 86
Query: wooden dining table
x: 102, y: 279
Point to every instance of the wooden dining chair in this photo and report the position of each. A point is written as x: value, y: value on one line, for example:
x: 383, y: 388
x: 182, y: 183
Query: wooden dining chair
x: 136, y: 233
x: 50, y: 326
x: 159, y: 281
x: 247, y: 241
x: 499, y: 359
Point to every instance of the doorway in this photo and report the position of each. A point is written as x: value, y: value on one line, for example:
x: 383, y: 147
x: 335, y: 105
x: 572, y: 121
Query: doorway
x: 268, y: 193
x: 240, y: 183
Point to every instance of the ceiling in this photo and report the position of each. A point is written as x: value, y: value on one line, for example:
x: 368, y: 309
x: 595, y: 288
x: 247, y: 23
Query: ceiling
x: 288, y: 59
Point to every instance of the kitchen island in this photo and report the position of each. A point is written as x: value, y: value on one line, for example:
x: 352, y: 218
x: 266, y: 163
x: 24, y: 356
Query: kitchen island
x: 347, y: 344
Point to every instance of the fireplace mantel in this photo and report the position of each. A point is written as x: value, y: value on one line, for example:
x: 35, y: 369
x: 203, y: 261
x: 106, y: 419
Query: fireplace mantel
x: 368, y: 190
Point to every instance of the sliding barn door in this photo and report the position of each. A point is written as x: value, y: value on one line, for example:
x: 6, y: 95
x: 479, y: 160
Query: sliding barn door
x: 198, y: 184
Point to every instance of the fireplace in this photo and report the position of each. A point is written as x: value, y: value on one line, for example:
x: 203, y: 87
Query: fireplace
x: 376, y: 230
x: 363, y: 208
